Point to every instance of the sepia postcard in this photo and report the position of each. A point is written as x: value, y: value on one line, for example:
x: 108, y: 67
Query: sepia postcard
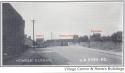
x: 62, y: 33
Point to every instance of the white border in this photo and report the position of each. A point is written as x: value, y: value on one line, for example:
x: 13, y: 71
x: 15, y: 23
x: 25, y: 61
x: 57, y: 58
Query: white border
x: 62, y: 65
x: 1, y: 33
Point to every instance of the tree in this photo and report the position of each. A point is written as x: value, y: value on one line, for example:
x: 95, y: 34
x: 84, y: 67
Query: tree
x: 75, y: 37
x: 83, y: 38
x: 117, y: 37
x: 105, y: 38
x: 95, y: 37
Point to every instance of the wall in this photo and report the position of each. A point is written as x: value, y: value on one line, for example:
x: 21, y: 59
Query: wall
x: 13, y: 32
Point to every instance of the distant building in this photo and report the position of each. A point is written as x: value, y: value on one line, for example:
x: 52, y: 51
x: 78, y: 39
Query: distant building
x: 40, y: 42
x: 28, y: 41
x: 60, y: 42
x: 13, y: 32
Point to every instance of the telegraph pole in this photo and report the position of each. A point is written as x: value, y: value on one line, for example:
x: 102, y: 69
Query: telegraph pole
x: 33, y: 34
x: 51, y: 35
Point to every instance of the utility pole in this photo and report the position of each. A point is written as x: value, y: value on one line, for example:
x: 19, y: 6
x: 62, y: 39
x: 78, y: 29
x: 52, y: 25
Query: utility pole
x: 33, y: 21
x: 51, y: 35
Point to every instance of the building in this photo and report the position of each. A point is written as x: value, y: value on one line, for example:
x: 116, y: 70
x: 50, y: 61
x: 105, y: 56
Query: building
x: 40, y: 42
x: 60, y: 42
x: 13, y: 32
x: 28, y: 41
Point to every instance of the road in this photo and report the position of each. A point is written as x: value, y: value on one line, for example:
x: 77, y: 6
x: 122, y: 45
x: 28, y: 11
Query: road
x: 67, y: 55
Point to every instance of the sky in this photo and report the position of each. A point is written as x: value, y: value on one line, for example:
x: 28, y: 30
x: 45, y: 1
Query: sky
x: 69, y: 18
